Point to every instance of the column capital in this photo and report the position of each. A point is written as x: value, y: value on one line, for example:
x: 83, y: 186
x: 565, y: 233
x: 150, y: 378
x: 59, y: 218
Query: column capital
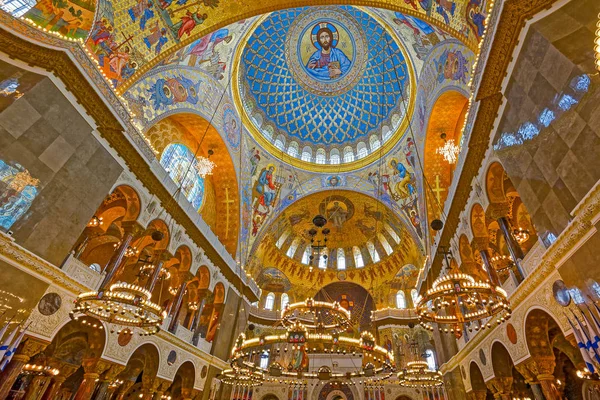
x: 501, y: 387
x: 96, y: 366
x: 111, y: 373
x: 480, y: 243
x: 498, y: 210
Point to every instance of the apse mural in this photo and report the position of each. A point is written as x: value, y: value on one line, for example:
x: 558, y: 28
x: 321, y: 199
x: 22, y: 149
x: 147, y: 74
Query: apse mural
x: 18, y: 189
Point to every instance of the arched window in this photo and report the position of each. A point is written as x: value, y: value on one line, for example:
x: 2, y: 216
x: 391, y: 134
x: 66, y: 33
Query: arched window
x: 282, y: 238
x: 323, y: 258
x: 430, y: 356
x: 293, y: 247
x: 306, y: 255
x: 279, y: 143
x: 306, y: 154
x: 576, y: 295
x: 17, y: 8
x: 334, y: 156
x: 373, y: 251
x: 362, y: 150
x: 392, y: 233
x: 264, y: 360
x: 348, y: 154
x: 293, y: 149
x: 180, y: 163
x: 269, y: 301
x: 385, y: 244
x: 400, y: 299
x: 414, y: 295
x: 341, y: 259
x: 321, y: 156
x: 285, y: 300
x: 358, y: 259
x: 374, y: 142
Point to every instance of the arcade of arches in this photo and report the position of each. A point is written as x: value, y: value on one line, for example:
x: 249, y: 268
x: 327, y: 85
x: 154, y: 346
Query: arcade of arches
x: 175, y: 177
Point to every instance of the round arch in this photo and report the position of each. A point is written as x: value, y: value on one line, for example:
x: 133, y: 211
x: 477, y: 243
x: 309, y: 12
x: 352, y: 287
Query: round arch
x: 476, y: 378
x: 502, y: 363
x: 269, y: 396
x: 204, y: 140
x: 183, y: 381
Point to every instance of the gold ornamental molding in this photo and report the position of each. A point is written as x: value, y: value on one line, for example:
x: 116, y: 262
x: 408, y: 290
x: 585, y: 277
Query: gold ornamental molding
x: 515, y: 14
x: 569, y: 240
x: 60, y: 64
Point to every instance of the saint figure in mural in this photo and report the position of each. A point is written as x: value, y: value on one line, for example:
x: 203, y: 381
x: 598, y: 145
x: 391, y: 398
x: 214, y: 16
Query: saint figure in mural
x: 452, y: 65
x: 401, y: 186
x: 265, y: 186
x: 158, y: 37
x: 143, y: 11
x: 327, y: 62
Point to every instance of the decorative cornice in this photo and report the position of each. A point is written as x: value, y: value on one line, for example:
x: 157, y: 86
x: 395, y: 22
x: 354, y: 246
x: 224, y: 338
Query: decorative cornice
x: 59, y: 63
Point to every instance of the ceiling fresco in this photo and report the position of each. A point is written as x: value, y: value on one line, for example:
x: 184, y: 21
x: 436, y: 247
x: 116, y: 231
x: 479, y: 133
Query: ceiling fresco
x: 355, y: 220
x: 321, y: 80
x: 129, y: 37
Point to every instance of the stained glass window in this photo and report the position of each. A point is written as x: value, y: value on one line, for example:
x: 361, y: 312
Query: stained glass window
x: 180, y: 163
x: 431, y: 363
x: 414, y: 295
x: 17, y: 8
x: 17, y: 191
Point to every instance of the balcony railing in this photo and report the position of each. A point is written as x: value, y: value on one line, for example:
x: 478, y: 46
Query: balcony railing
x: 396, y: 313
x: 82, y: 273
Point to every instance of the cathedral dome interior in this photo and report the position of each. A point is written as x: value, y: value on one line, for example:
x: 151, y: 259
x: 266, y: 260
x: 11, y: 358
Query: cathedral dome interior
x: 299, y: 200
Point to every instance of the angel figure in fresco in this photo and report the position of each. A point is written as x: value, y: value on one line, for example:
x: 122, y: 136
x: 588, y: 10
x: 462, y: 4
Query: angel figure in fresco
x: 452, y: 65
x: 187, y: 23
x: 327, y: 62
x: 205, y: 47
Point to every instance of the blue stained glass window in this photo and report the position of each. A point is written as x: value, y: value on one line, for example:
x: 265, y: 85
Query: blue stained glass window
x: 566, y: 101
x: 180, y: 163
x: 546, y: 117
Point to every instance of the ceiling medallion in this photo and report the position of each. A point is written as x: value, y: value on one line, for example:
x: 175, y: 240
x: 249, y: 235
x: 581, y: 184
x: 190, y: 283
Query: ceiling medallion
x: 312, y: 329
x: 449, y: 150
x: 456, y: 299
x: 418, y: 374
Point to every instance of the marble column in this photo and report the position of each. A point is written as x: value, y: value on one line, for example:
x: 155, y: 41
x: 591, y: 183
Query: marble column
x: 184, y: 277
x: 93, y: 368
x: 513, y: 247
x: 548, y: 386
x: 116, y: 260
x: 54, y: 387
x: 202, y: 294
x: 28, y: 349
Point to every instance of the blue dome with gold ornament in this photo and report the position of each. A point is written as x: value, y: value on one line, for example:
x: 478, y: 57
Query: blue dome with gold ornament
x: 324, y: 85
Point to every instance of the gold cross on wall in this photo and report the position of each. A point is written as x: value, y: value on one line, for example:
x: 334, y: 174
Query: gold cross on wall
x: 438, y: 190
x: 227, y: 202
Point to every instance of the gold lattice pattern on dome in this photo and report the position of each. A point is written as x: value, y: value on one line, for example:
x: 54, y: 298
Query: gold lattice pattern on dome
x: 124, y: 304
x: 457, y: 298
x: 418, y: 374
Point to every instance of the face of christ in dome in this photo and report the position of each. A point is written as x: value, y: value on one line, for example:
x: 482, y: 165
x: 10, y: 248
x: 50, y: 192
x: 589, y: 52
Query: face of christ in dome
x: 327, y: 62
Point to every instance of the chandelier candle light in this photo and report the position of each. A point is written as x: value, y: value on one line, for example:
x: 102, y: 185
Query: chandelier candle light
x: 449, y: 150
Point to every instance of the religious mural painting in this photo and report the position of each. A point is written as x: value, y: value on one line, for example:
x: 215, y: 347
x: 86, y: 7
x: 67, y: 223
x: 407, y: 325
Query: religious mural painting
x: 71, y: 18
x: 18, y: 189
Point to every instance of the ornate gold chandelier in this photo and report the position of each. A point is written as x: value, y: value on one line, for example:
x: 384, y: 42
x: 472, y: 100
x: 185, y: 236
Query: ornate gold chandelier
x: 457, y: 298
x: 418, y: 374
x: 311, y: 327
x: 124, y: 304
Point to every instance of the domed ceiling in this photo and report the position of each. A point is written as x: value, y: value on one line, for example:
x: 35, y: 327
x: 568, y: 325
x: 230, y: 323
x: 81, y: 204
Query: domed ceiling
x: 324, y: 86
